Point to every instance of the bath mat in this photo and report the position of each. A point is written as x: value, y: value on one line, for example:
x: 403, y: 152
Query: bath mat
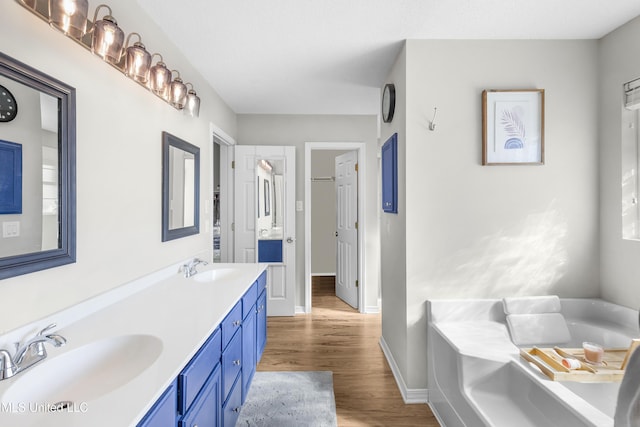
x: 290, y: 399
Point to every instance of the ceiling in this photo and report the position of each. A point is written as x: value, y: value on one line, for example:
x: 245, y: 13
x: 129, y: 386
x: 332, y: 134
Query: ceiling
x: 332, y: 56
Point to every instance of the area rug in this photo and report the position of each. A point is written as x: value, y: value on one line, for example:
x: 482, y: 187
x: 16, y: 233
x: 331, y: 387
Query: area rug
x: 290, y: 399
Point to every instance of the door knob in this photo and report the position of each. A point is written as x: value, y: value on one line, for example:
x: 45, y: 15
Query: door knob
x: 289, y: 240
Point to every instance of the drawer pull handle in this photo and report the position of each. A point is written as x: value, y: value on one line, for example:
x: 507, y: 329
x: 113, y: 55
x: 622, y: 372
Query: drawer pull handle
x: 236, y: 410
x: 237, y: 323
x: 236, y: 362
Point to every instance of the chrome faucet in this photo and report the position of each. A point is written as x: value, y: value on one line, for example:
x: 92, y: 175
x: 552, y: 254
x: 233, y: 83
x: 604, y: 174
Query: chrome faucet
x: 29, y: 353
x: 189, y: 269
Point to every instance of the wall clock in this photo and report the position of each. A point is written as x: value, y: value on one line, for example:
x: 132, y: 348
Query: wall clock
x: 8, y: 105
x: 388, y: 102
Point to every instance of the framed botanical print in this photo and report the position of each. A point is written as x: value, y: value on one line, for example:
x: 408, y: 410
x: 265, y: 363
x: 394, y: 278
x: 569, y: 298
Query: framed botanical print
x: 513, y: 127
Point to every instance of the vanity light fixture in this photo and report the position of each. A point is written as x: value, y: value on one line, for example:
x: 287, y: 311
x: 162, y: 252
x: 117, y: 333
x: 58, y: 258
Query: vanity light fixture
x: 29, y: 3
x: 192, y: 107
x: 177, y: 92
x: 107, y: 37
x: 137, y: 60
x: 159, y: 78
x: 69, y: 16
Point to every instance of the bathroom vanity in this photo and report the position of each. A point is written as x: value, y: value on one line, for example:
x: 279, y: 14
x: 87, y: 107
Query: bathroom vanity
x: 167, y: 351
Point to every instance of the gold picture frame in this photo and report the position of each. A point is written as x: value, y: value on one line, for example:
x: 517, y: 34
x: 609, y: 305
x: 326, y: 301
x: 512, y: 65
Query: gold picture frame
x: 513, y: 127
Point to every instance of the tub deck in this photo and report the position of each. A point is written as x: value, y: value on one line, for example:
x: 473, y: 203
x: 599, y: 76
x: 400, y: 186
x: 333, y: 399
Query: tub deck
x: 478, y: 378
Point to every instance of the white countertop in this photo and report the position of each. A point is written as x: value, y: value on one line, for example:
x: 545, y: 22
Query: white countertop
x: 179, y: 311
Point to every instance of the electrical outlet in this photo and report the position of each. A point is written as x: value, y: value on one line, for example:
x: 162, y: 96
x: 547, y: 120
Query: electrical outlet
x: 299, y: 205
x: 10, y: 229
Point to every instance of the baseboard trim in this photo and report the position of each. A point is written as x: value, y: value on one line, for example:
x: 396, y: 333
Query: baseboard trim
x: 372, y: 309
x: 300, y: 309
x: 410, y: 396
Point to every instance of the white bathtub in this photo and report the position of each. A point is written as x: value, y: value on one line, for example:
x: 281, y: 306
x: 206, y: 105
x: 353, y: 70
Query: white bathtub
x: 477, y: 377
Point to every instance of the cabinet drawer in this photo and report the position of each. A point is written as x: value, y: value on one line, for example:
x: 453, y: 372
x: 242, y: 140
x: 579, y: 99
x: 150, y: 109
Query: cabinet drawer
x: 231, y: 409
x: 231, y: 364
x: 163, y: 413
x: 262, y: 282
x: 231, y: 324
x: 194, y: 375
x: 249, y: 300
x: 206, y: 408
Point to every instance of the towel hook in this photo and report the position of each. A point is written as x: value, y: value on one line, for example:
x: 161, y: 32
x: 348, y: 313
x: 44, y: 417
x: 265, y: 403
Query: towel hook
x: 432, y: 123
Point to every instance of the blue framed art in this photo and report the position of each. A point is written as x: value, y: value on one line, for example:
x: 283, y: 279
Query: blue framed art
x: 10, y: 178
x: 390, y: 175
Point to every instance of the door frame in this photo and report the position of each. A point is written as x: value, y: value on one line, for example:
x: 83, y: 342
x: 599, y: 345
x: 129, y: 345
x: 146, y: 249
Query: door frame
x: 220, y: 137
x: 360, y: 147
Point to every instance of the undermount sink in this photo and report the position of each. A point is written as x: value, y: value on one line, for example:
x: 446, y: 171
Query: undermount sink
x: 86, y: 372
x: 215, y: 274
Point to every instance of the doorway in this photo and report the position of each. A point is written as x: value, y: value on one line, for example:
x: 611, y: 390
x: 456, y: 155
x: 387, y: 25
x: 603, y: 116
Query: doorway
x: 323, y: 181
x: 220, y: 210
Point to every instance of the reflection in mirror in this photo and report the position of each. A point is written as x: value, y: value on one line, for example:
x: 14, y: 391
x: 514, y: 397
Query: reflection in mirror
x: 269, y: 220
x: 180, y: 188
x: 41, y: 232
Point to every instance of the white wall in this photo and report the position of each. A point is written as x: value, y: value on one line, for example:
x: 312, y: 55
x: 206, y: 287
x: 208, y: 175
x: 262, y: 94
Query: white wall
x: 478, y: 231
x: 296, y: 130
x: 323, y: 216
x: 618, y: 64
x: 119, y: 150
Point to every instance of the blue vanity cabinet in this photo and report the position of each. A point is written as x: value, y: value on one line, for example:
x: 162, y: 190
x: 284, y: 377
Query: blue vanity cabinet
x: 231, y: 364
x: 249, y: 343
x: 164, y: 411
x: 206, y: 409
x: 193, y: 377
x: 269, y: 250
x: 390, y: 175
x: 261, y: 316
x: 231, y: 408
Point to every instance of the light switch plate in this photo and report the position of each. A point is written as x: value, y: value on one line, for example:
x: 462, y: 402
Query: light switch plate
x: 299, y: 205
x: 10, y: 229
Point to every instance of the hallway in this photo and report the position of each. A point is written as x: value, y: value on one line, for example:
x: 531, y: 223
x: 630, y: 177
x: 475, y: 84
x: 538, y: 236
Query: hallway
x: 337, y: 338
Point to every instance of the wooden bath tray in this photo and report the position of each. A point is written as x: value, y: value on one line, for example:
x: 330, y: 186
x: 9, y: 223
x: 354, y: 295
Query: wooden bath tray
x: 550, y: 363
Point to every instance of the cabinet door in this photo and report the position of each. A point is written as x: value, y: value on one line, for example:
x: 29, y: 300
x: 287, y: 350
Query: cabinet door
x: 261, y: 325
x: 164, y: 411
x: 207, y: 408
x: 248, y: 352
x: 231, y: 364
x: 195, y: 374
x: 231, y: 409
x: 390, y: 175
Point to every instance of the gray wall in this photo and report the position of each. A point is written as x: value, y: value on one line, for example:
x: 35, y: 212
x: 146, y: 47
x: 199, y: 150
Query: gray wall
x: 476, y: 231
x: 618, y: 63
x: 295, y: 130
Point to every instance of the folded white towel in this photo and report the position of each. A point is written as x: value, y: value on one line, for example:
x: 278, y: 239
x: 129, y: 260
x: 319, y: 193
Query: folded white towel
x: 538, y: 329
x: 531, y: 305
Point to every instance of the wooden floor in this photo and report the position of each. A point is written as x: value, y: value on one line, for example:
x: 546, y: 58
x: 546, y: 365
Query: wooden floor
x: 337, y: 338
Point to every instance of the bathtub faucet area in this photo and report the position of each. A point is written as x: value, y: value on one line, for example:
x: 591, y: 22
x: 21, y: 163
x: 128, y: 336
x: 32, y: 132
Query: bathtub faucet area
x: 477, y: 376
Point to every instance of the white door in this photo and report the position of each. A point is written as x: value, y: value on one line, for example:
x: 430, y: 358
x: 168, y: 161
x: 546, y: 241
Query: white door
x: 280, y: 275
x: 346, y: 224
x: 244, y: 221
